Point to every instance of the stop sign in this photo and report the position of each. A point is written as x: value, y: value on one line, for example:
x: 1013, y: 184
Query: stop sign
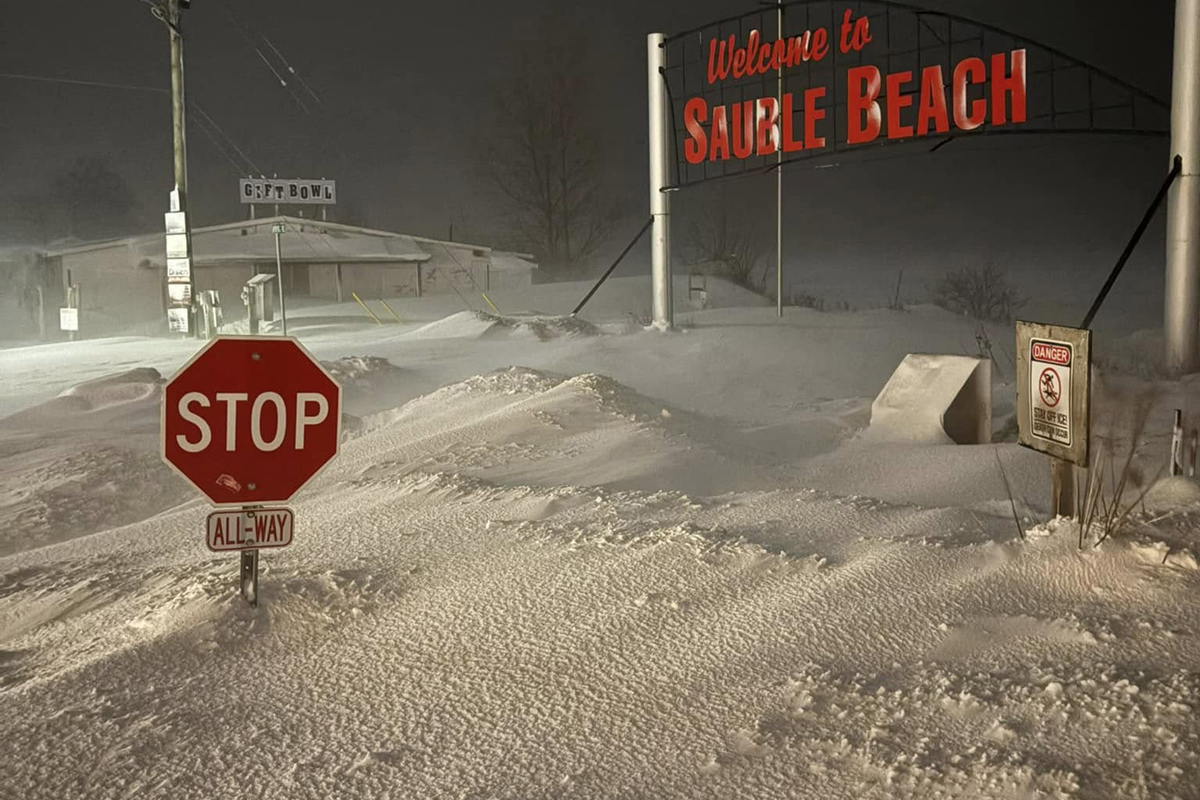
x: 249, y: 420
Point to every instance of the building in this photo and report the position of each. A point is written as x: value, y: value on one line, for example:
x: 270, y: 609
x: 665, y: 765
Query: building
x: 122, y: 282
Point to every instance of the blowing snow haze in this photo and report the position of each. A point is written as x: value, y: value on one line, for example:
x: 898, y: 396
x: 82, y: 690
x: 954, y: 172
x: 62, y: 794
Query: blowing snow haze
x: 454, y: 433
x: 407, y: 100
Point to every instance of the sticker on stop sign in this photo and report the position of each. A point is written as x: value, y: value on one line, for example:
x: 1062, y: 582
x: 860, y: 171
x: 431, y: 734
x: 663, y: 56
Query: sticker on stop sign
x: 249, y: 420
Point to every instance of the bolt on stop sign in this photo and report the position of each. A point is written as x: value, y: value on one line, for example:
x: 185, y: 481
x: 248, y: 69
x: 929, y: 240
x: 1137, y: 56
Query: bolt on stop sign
x: 250, y: 420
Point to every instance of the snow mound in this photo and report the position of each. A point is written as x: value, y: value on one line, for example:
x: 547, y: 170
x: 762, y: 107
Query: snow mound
x: 1173, y: 493
x: 546, y: 327
x: 135, y: 389
x: 463, y: 325
x: 360, y: 370
x: 141, y: 383
x: 477, y: 324
x: 62, y: 492
x: 520, y: 425
x: 84, y: 461
x: 367, y: 384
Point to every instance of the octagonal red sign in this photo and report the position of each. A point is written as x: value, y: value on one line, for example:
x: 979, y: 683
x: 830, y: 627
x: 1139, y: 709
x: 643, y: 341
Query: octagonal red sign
x: 250, y: 419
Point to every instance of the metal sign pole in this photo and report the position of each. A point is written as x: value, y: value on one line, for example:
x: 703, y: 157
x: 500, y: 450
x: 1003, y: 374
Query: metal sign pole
x: 279, y: 229
x: 248, y: 578
x: 779, y: 174
x: 660, y: 201
x: 1181, y: 309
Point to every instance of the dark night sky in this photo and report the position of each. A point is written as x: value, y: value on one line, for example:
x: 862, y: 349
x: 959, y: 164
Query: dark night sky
x: 405, y: 84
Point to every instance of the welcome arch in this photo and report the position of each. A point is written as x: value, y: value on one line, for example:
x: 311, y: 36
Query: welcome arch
x: 804, y: 80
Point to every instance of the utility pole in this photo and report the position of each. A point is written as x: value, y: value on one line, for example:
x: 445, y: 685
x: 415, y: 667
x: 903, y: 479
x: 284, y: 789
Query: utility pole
x: 169, y: 13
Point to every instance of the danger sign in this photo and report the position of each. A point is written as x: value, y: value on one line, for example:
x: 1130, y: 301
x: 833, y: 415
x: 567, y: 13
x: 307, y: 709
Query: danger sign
x: 1050, y: 373
x: 1053, y: 400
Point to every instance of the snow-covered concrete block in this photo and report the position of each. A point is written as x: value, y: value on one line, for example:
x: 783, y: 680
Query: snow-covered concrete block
x: 935, y: 398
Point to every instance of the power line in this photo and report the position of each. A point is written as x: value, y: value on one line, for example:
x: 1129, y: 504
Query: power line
x: 244, y: 29
x: 220, y: 149
x: 141, y: 88
x: 254, y: 170
x: 303, y: 82
x: 76, y: 81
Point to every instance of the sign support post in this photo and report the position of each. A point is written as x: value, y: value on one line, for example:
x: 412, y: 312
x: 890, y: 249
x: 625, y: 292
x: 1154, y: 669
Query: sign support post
x: 1062, y: 488
x: 1181, y: 306
x: 248, y: 583
x: 278, y: 229
x: 660, y: 201
x: 779, y: 174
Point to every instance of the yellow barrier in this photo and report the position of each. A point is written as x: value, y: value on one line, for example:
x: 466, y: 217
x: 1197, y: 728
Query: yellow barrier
x: 389, y: 308
x: 490, y: 303
x: 378, y: 321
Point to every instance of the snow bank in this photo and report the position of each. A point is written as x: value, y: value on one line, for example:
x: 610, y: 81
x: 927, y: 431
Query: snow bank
x: 1174, y: 494
x: 521, y: 425
x: 126, y: 392
x: 640, y: 566
x: 477, y: 324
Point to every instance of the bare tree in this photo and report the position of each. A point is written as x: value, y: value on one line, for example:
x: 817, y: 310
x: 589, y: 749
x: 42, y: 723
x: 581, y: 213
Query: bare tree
x: 545, y: 159
x: 37, y: 217
x: 88, y: 199
x: 984, y: 293
x: 718, y: 241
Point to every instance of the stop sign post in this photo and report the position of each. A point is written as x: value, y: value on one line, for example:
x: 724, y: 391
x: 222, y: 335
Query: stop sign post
x: 248, y: 421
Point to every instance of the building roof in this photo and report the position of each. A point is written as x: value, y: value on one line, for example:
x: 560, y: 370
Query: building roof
x: 306, y: 240
x: 504, y: 260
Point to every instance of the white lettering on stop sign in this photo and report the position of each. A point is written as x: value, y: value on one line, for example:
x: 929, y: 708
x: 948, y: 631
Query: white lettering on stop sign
x: 305, y: 416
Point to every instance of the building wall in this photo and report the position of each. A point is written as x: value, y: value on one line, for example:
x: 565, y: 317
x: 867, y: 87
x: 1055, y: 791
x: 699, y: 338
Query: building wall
x: 322, y: 281
x: 374, y: 280
x: 116, y: 296
x: 511, y: 278
x: 120, y: 297
x: 452, y: 267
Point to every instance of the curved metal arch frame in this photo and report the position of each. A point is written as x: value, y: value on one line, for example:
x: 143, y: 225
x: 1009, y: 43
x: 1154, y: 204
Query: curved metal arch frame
x: 919, y: 13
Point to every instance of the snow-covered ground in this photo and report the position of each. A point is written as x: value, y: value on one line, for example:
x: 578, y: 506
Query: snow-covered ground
x: 580, y: 559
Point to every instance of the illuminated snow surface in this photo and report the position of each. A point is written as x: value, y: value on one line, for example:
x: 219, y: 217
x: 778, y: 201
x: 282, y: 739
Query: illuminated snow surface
x: 558, y: 560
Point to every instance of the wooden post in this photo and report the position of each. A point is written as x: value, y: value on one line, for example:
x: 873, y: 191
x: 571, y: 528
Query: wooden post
x: 418, y: 279
x: 1063, y: 501
x: 337, y: 280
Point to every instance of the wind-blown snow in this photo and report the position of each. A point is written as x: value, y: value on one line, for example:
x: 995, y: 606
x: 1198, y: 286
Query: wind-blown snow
x: 594, y: 566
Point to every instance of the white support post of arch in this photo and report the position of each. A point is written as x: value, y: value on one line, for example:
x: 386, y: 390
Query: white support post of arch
x: 1181, y: 307
x: 660, y: 201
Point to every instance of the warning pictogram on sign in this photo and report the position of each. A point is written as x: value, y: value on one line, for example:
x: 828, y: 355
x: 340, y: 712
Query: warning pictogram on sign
x: 1050, y: 386
x: 1050, y: 379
